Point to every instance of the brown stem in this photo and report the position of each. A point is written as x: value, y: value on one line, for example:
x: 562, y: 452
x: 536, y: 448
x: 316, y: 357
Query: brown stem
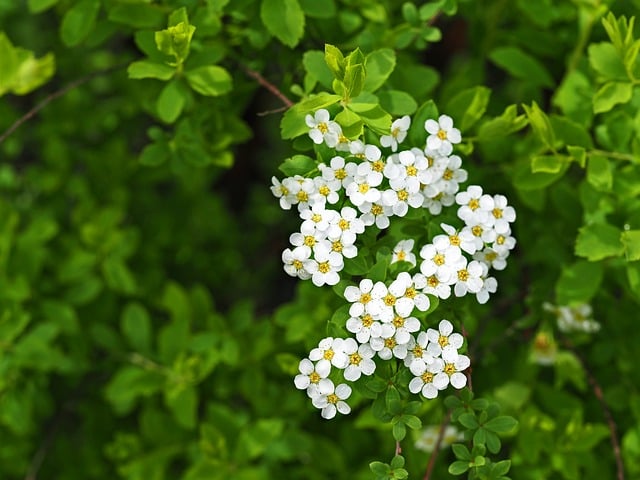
x: 597, y: 391
x: 268, y: 85
x: 398, y: 448
x: 434, y: 455
x: 51, y: 97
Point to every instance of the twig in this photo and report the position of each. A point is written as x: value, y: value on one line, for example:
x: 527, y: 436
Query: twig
x: 58, y: 93
x: 597, y: 391
x: 436, y: 448
x: 268, y: 85
x: 398, y: 448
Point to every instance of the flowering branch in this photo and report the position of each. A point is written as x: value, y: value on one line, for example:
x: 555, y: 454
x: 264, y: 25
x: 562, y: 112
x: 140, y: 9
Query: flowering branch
x: 436, y: 448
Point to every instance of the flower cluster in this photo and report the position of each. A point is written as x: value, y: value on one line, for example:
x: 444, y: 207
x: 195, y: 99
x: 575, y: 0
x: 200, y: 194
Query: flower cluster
x: 428, y: 438
x: 359, y: 188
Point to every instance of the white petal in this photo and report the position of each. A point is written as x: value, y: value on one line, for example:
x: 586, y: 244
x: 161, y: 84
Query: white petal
x: 301, y: 382
x: 429, y: 391
x: 329, y: 411
x: 415, y: 385
x: 458, y: 380
x: 343, y: 408
x: 343, y: 391
x: 441, y: 381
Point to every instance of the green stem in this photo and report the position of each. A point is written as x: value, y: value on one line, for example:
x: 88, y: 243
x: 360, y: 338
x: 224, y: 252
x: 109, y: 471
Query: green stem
x: 616, y: 155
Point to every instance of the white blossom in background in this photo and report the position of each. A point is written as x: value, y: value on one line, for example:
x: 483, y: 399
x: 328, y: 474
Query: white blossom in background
x: 489, y: 286
x: 281, y: 192
x: 399, y: 129
x: 359, y: 296
x: 429, y: 437
x: 543, y: 349
x: 339, y: 171
x: 333, y: 401
x: 574, y: 318
x: 442, y: 134
x: 323, y: 129
x: 493, y: 259
x: 504, y: 243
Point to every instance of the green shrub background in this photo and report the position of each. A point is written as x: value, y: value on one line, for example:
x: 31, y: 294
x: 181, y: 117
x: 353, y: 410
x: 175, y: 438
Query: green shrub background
x: 147, y: 330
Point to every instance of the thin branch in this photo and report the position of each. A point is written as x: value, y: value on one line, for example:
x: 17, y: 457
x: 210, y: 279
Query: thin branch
x: 268, y: 85
x: 398, y: 448
x: 436, y: 448
x: 58, y: 93
x: 597, y: 391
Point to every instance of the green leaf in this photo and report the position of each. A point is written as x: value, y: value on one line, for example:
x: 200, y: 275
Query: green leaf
x: 335, y: 61
x: 604, y: 59
x: 575, y: 97
x: 598, y: 241
x: 461, y: 451
x: 315, y: 9
x: 353, y: 80
x: 78, y: 22
x: 37, y: 6
x: 468, y: 106
x: 397, y: 103
x: 541, y: 125
x: 315, y: 65
x: 631, y: 241
x: 170, y: 102
x: 507, y: 123
x: 411, y: 421
x: 297, y: 165
x: 136, y: 327
x: 137, y: 15
x: 399, y: 431
x: 373, y: 116
x: 458, y: 467
x: 599, y: 173
x: 417, y: 134
x: 184, y: 406
x: 579, y: 282
x: 117, y: 276
x: 500, y: 468
x: 379, y: 65
x: 128, y: 384
x: 568, y: 132
x: 350, y: 122
x: 610, y: 95
x: 468, y: 420
x: 501, y: 424
x: 397, y: 462
x: 149, y: 69
x: 548, y: 163
x: 175, y: 40
x: 154, y: 154
x: 210, y: 80
x: 379, y: 468
x: 522, y: 65
x: 24, y: 73
x: 525, y: 179
x: 284, y: 19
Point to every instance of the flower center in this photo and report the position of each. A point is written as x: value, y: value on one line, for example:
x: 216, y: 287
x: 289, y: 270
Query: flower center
x: 328, y: 354
x: 417, y: 351
x: 442, y: 135
x: 314, y: 377
x: 432, y: 281
x: 309, y: 240
x: 410, y: 292
x: 336, y: 246
x: 477, y: 230
x: 491, y: 256
x: 363, y: 187
x: 500, y: 240
x: 398, y: 321
x: 323, y: 127
x: 378, y: 166
x: 403, y: 195
x: 324, y: 267
x: 376, y: 209
x: 427, y: 377
x: 463, y: 275
x: 497, y: 212
x: 297, y: 264
x: 316, y: 218
x: 355, y: 358
x: 340, y: 174
x: 390, y: 343
x: 447, y: 175
x: 450, y: 369
x: 439, y: 259
x: 365, y: 298
x: 344, y: 224
x: 474, y: 204
x: 411, y: 171
x: 367, y: 320
x: 324, y: 190
x: 454, y: 240
x: 389, y: 300
x: 332, y: 398
x: 302, y: 196
x: 443, y: 341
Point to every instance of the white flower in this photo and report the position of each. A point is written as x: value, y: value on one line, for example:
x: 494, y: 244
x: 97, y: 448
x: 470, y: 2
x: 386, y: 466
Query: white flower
x: 500, y: 215
x: 394, y: 299
x: 363, y: 188
x: 452, y: 237
x: 326, y: 191
x: 399, y: 130
x: 324, y: 267
x: 390, y: 347
x: 417, y: 350
x: 438, y: 285
x: 364, y: 327
x: 347, y: 223
x: 300, y: 190
x: 451, y: 177
x: 415, y: 293
x: 442, y: 262
x: 360, y: 297
x: 330, y: 351
x: 492, y: 258
x: 308, y: 236
x: 313, y: 378
x: 375, y: 213
x: 294, y: 261
x: 489, y: 285
x: 451, y: 374
x: 442, y: 134
x: 503, y: 243
x: 317, y: 217
x: 400, y: 198
x: 443, y: 337
x: 338, y: 170
x: 424, y: 376
x: 402, y: 252
x: 360, y: 360
x: 323, y: 129
x: 435, y: 202
x: 333, y: 401
x: 474, y: 206
x: 411, y: 171
x: 282, y: 192
x: 469, y: 278
x: 405, y: 326
x: 476, y: 236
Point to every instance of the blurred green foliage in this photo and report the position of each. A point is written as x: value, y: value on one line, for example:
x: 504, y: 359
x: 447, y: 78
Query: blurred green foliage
x: 147, y: 330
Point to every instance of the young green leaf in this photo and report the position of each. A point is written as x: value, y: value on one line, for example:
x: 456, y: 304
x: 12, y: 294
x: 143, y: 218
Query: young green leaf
x: 284, y: 19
